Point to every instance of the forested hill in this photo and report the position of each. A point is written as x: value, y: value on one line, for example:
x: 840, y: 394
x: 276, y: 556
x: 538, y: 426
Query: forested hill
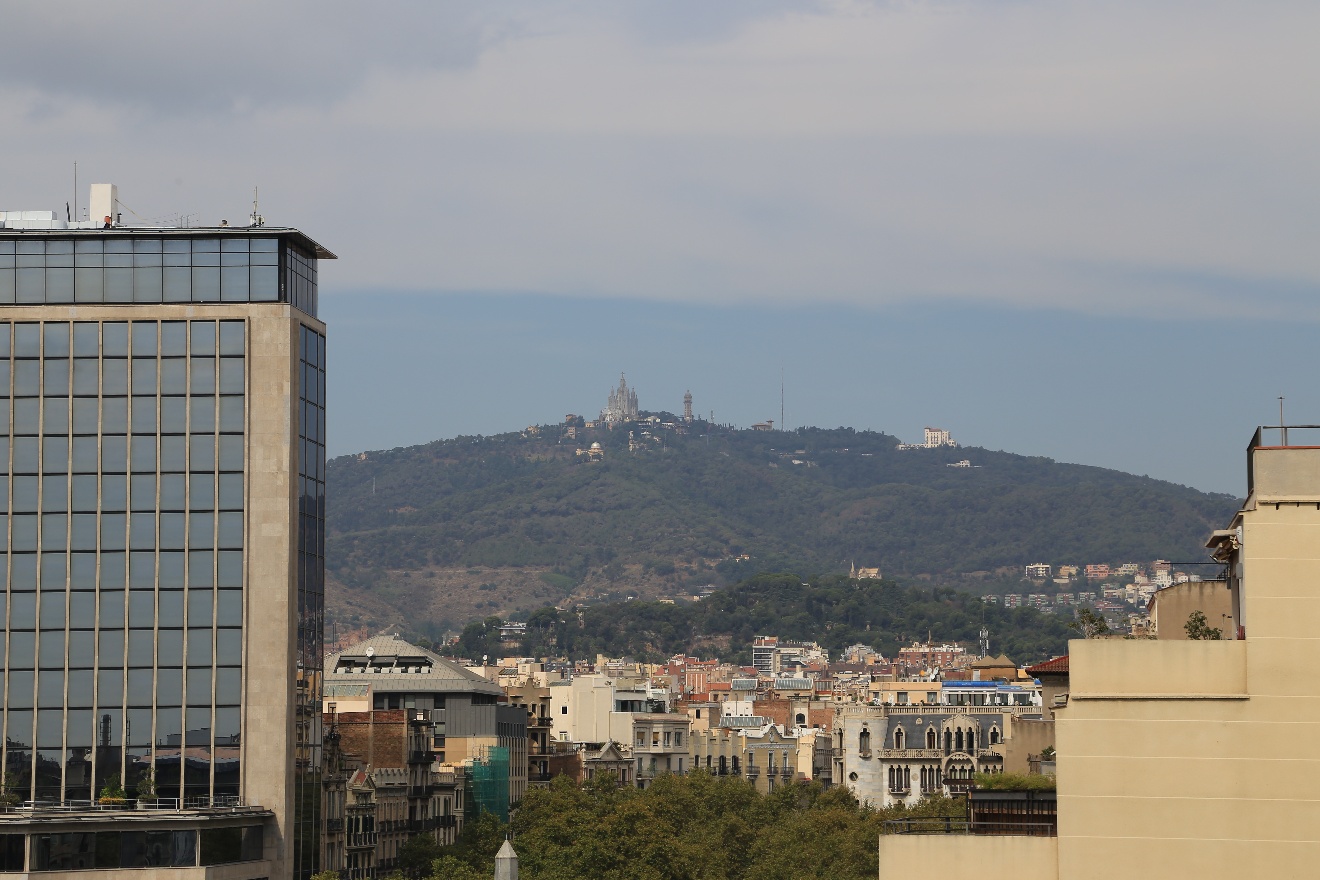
x: 458, y: 529
x: 834, y: 611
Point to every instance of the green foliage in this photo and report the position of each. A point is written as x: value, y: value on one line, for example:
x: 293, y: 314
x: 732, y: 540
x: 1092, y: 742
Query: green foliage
x: 690, y: 827
x: 326, y: 875
x: 1089, y: 623
x: 513, y: 501
x: 835, y: 611
x: 559, y: 581
x: 452, y: 868
x: 113, y: 788
x: 473, y: 856
x: 1198, y: 630
x: 417, y: 854
x: 481, y: 638
x: 1014, y: 782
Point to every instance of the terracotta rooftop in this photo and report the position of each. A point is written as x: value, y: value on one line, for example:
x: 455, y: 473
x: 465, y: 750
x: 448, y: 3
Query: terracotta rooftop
x: 1056, y: 666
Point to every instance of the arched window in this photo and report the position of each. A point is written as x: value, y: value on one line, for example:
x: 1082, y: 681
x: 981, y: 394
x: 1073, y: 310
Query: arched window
x: 898, y: 737
x: 801, y: 719
x: 923, y: 778
x: 948, y: 741
x: 971, y: 740
x: 994, y: 736
x: 724, y: 766
x: 864, y: 741
x: 907, y: 777
x: 891, y: 778
x: 958, y: 740
x: 931, y: 739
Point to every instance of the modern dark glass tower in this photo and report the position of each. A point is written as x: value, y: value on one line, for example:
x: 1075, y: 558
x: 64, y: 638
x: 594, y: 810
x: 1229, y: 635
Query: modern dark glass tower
x: 162, y: 508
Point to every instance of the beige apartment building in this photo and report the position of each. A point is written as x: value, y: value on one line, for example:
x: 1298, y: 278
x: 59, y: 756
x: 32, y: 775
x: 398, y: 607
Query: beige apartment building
x: 1189, y: 758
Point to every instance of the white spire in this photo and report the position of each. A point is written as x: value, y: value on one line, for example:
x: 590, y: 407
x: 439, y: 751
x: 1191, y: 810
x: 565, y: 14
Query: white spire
x: 506, y: 862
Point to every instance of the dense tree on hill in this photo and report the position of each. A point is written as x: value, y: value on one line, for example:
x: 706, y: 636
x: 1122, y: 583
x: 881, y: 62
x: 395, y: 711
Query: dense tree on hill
x: 835, y: 611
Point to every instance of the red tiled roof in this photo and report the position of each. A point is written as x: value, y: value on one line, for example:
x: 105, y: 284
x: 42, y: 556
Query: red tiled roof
x: 1056, y: 666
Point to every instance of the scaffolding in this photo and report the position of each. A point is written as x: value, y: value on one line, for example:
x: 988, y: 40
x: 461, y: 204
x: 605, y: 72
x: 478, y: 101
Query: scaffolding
x: 488, y: 782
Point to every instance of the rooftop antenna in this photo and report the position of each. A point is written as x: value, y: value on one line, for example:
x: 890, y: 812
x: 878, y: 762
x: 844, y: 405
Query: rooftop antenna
x: 257, y: 219
x: 1283, y: 430
x: 781, y: 397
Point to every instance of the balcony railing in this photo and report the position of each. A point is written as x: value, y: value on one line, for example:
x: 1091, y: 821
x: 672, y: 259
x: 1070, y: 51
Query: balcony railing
x: 362, y: 840
x: 221, y: 804
x: 993, y: 828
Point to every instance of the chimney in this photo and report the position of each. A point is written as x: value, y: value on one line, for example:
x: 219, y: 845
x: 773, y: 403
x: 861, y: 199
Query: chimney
x: 104, y: 202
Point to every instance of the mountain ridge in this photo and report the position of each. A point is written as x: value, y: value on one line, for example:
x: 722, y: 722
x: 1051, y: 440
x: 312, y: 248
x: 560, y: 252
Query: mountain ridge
x: 457, y: 529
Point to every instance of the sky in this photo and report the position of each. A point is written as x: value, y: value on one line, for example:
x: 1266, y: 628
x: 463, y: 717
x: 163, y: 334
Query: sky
x: 1084, y: 230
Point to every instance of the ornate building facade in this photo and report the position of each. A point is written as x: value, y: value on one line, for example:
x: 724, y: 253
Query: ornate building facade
x: 622, y: 404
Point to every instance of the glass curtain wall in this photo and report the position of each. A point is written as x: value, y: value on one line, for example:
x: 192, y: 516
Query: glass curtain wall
x: 311, y: 593
x: 123, y: 527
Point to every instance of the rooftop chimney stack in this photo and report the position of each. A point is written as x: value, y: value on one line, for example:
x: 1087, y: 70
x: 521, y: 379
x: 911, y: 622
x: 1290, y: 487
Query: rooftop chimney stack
x: 104, y: 202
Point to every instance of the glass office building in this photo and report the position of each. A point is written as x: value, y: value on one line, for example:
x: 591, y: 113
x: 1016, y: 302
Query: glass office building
x: 162, y: 508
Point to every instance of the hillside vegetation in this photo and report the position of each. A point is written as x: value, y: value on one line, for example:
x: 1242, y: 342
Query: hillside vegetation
x: 835, y: 611
x: 459, y: 529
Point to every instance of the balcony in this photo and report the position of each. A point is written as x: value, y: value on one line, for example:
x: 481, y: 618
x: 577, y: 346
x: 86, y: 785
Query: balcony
x: 362, y: 840
x: 72, y: 808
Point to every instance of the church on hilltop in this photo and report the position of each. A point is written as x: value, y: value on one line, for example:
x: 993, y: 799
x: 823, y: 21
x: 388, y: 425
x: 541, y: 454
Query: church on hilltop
x: 622, y: 404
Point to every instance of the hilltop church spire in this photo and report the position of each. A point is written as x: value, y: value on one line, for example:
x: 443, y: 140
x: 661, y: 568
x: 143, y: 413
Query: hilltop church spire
x: 622, y: 405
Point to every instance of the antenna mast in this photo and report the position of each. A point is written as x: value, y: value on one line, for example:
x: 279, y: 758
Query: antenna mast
x: 257, y: 219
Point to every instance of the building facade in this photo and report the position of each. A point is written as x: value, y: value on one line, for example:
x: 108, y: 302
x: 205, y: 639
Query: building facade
x: 891, y: 755
x: 1188, y: 757
x: 471, y: 716
x: 162, y: 437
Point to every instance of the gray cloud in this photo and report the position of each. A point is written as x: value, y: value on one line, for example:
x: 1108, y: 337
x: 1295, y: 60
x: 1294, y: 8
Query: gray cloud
x: 1119, y: 157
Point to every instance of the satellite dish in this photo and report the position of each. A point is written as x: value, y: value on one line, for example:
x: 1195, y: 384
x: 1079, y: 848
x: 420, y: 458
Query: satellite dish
x: 371, y: 652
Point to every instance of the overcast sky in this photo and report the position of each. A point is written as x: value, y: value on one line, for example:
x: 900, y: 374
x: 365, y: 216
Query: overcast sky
x: 954, y: 177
